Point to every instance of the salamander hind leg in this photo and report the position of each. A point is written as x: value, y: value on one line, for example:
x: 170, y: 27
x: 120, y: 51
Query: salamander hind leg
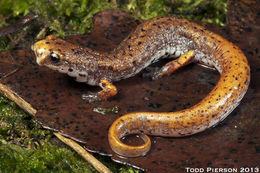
x: 174, y: 65
x: 108, y: 90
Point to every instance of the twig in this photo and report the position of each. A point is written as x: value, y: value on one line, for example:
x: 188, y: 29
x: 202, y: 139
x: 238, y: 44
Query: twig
x: 7, y: 92
x: 18, y: 25
x: 86, y: 155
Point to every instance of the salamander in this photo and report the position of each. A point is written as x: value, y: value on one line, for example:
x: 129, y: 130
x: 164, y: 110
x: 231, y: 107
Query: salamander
x: 159, y: 37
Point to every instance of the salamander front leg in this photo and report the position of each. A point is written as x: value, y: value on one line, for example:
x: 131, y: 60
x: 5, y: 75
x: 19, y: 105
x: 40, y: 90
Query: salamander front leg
x: 174, y: 65
x: 108, y: 90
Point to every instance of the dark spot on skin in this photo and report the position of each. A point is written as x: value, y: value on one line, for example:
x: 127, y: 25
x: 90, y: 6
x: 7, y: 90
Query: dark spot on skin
x: 59, y: 50
x: 178, y: 63
x: 142, y: 29
x: 129, y: 46
x: 154, y: 24
x: 76, y: 52
x: 110, y: 68
x: 115, y: 56
x: 70, y: 70
x: 147, y: 47
x: 47, y: 42
x: 139, y: 43
x: 185, y: 22
x: 123, y: 52
x: 205, y: 39
x: 159, y: 26
x: 137, y: 21
x: 58, y: 43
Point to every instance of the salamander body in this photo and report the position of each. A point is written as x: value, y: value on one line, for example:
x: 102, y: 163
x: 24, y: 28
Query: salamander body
x: 151, y: 40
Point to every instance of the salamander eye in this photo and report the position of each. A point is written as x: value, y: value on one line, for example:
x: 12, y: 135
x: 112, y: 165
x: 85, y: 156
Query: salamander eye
x: 54, y: 57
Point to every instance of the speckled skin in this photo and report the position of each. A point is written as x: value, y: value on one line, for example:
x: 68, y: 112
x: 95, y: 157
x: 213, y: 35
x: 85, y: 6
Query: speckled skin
x: 151, y: 40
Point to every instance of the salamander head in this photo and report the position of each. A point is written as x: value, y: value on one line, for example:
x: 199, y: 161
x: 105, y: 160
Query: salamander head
x: 54, y: 52
x: 65, y: 57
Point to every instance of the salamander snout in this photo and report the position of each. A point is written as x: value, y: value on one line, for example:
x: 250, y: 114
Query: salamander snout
x: 46, y: 52
x: 39, y: 51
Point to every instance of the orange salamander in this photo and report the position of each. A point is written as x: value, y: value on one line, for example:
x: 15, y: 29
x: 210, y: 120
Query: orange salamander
x: 159, y: 37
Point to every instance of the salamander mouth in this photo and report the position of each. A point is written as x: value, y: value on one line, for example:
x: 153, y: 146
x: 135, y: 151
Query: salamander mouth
x: 40, y: 55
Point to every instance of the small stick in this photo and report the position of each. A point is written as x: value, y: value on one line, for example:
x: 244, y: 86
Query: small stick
x: 18, y: 25
x: 86, y: 155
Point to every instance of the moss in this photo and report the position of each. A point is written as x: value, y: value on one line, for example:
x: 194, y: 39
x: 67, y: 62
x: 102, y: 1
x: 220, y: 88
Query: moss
x: 24, y: 145
x: 145, y: 9
x: 4, y: 44
x: 46, y: 158
x: 69, y: 17
x: 201, y: 10
x: 75, y: 16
